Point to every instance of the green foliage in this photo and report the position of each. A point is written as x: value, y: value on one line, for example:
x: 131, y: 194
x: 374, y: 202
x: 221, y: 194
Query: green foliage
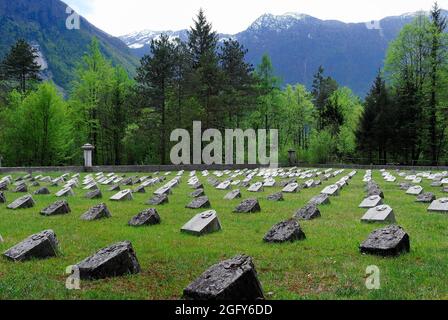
x: 321, y: 146
x: 298, y: 114
x: 36, y: 128
x: 98, y: 107
x: 377, y: 122
x: 411, y: 118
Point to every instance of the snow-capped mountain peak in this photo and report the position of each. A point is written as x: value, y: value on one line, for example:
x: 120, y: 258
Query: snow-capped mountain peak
x: 278, y: 22
x: 137, y: 40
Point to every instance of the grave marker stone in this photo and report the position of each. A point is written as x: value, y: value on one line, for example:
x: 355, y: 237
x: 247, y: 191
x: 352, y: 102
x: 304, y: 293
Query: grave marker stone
x: 269, y: 183
x: 91, y: 186
x: 22, y: 203
x: 199, y: 203
x: 321, y: 199
x: 224, y: 185
x: 389, y: 241
x: 147, y: 217
x: 197, y: 193
x: 436, y: 184
x: 3, y: 186
x: 286, y: 231
x: 66, y: 192
x: 94, y: 194
x: 197, y: 185
x: 115, y: 188
x: 57, y: 208
x: 405, y: 186
x: 116, y: 260
x: 276, y: 197
x: 97, y: 212
x: 127, y: 182
x: 232, y: 280
x: 158, y: 200
x: 139, y: 189
x: 203, y: 223
x: 38, y: 246
x: 382, y: 213
x: 125, y: 195
x: 439, y: 205
x: 233, y: 195
x: 371, y: 202
x: 213, y: 182
x: 427, y: 197
x: 42, y: 191
x: 256, y: 187
x: 21, y: 188
x: 163, y: 190
x: 309, y: 212
x: 291, y: 188
x: 2, y: 197
x: 332, y: 190
x: 248, y: 206
x: 415, y: 190
x: 309, y: 184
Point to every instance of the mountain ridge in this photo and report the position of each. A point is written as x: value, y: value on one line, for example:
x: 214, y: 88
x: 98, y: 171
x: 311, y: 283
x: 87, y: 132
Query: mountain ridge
x: 43, y: 24
x: 298, y: 44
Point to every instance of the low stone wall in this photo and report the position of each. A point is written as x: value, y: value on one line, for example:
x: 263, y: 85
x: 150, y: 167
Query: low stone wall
x: 124, y: 169
x: 160, y: 168
x: 41, y: 169
x: 373, y: 167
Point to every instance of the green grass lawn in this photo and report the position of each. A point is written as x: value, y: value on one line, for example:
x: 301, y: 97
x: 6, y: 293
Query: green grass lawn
x: 327, y: 265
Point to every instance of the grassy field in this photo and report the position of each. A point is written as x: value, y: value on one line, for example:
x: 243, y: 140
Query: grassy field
x: 327, y: 265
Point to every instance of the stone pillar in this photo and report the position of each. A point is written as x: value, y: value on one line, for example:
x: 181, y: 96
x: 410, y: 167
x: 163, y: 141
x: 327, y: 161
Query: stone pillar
x: 88, y: 150
x: 292, y: 157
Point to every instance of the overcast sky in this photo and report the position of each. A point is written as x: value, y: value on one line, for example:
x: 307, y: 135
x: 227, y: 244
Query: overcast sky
x: 119, y: 17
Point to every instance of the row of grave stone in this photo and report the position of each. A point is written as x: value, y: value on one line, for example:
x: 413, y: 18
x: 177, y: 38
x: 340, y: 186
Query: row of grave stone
x: 439, y: 179
x: 396, y: 238
x: 90, y: 181
x: 232, y: 279
x: 93, y: 191
x: 391, y: 240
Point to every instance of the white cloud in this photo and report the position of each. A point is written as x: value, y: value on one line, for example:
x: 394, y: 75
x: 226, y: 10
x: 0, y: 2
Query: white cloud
x: 120, y: 17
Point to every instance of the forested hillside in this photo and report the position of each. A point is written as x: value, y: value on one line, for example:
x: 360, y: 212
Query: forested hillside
x: 43, y: 24
x: 129, y: 119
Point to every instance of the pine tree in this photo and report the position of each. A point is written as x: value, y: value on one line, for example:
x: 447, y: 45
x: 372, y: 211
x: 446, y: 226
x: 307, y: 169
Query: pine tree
x: 322, y: 89
x: 182, y: 76
x: 370, y: 136
x: 119, y: 113
x: 268, y: 86
x: 238, y: 79
x: 20, y: 66
x: 154, y: 78
x: 202, y: 40
x: 206, y: 78
x: 439, y: 24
